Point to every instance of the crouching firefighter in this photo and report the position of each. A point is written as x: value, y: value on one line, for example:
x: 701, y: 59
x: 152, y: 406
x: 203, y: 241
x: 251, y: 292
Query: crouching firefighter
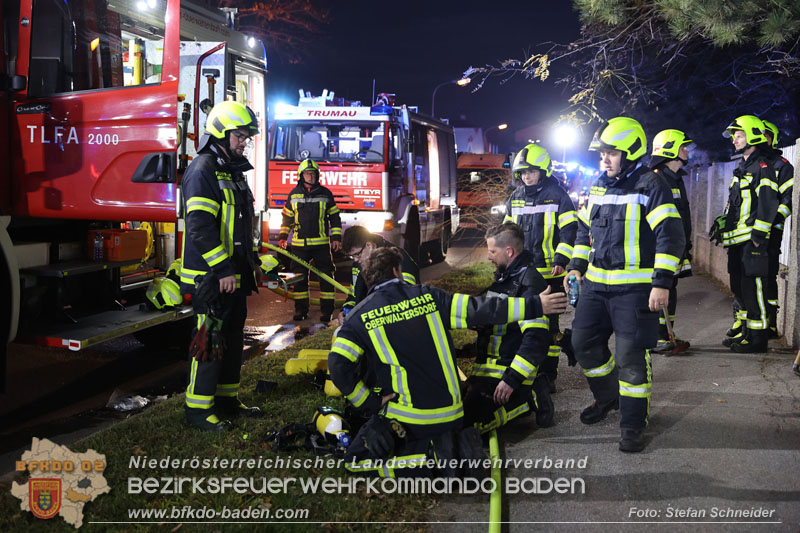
x: 504, y: 384
x: 416, y: 411
x: 629, y: 243
x: 219, y: 254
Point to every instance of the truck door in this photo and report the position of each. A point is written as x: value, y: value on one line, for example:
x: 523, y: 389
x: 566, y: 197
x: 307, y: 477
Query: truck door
x: 96, y: 128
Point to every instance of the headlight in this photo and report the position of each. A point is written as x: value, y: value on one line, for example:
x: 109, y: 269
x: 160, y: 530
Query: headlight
x: 275, y: 219
x: 499, y: 209
x: 373, y: 223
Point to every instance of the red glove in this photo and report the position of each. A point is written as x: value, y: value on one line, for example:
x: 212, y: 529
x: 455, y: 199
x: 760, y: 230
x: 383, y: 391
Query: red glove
x: 282, y: 243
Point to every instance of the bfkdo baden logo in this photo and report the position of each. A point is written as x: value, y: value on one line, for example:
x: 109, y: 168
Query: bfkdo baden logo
x: 44, y: 497
x: 61, y: 481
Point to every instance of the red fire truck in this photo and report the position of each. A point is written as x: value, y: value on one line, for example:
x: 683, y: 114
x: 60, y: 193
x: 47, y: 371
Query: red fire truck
x: 390, y: 168
x: 103, y: 105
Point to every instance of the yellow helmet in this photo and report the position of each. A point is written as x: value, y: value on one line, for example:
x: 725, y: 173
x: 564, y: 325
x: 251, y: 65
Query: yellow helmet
x: 228, y: 116
x: 163, y: 292
x: 621, y: 133
x: 532, y: 156
x: 772, y: 128
x: 667, y: 143
x: 751, y: 125
x: 307, y: 164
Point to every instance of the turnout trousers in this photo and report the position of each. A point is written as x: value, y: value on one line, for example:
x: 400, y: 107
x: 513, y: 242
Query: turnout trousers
x: 775, y: 239
x: 663, y: 332
x: 480, y: 410
x: 629, y: 374
x: 210, y: 380
x: 321, y: 257
x: 751, y: 292
x: 550, y: 367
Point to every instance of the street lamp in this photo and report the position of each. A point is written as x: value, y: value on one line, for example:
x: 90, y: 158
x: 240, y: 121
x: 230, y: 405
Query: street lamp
x: 486, y: 139
x: 461, y: 83
x: 566, y: 134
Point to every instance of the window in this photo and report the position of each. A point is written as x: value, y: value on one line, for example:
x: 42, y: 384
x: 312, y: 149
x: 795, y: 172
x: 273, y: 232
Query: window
x: 79, y: 46
x: 342, y: 142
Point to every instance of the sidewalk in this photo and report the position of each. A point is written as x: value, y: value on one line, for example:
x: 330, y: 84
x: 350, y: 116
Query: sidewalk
x: 724, y: 434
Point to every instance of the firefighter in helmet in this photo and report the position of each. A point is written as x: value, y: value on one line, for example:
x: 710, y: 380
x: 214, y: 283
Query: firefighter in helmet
x: 784, y: 174
x: 312, y: 213
x: 753, y: 201
x: 219, y: 254
x: 670, y: 155
x: 626, y: 271
x: 546, y: 214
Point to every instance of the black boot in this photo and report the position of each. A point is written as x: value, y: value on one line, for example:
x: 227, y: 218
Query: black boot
x: 545, y: 410
x: 632, y: 440
x: 233, y: 407
x: 597, y: 412
x: 206, y: 421
x: 299, y: 316
x: 755, y: 342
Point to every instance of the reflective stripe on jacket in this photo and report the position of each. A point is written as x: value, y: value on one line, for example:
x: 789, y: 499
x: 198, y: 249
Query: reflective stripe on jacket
x: 313, y: 215
x: 752, y: 201
x: 629, y: 232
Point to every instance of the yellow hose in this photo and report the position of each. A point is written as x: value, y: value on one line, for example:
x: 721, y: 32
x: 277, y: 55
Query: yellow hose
x: 496, y: 498
x: 314, y: 301
x: 302, y: 263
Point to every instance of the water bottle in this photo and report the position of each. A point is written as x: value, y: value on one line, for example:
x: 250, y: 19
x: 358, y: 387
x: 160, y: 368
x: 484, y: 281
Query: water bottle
x: 99, y: 253
x: 345, y: 311
x: 574, y: 290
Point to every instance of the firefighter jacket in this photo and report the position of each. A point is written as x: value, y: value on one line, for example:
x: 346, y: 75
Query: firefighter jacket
x: 752, y: 201
x: 313, y: 214
x: 218, y: 210
x: 784, y: 174
x: 359, y: 287
x: 546, y: 214
x: 513, y: 352
x: 629, y: 232
x: 403, y: 331
x: 681, y: 201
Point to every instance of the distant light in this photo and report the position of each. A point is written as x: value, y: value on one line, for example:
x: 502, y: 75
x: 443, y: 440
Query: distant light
x: 251, y: 42
x: 282, y: 108
x: 95, y: 43
x: 151, y: 4
x: 463, y: 81
x: 502, y: 126
x: 566, y: 135
x: 572, y: 165
x: 142, y: 6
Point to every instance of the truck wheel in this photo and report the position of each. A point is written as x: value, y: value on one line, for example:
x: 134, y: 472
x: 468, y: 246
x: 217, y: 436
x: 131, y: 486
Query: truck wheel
x: 438, y: 248
x: 411, y: 237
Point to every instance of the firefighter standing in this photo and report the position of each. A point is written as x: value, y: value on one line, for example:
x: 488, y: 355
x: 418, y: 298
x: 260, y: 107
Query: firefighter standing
x: 509, y: 355
x: 751, y: 210
x: 403, y: 332
x: 358, y: 243
x: 670, y: 155
x: 312, y: 210
x: 546, y: 214
x: 626, y: 271
x: 784, y: 174
x: 219, y: 245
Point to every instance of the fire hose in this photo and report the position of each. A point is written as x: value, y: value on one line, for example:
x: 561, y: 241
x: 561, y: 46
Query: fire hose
x: 304, y: 264
x: 496, y: 498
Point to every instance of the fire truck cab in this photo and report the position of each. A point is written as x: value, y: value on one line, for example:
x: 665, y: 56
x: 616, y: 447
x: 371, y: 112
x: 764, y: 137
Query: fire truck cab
x: 389, y: 168
x: 104, y: 102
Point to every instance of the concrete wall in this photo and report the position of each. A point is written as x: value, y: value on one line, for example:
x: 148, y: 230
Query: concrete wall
x: 707, y: 187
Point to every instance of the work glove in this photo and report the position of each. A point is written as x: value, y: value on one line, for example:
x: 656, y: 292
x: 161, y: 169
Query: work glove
x: 378, y: 436
x: 715, y: 233
x: 282, y: 243
x: 208, y: 343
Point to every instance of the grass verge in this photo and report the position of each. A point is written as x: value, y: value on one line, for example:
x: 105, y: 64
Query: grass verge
x: 160, y: 432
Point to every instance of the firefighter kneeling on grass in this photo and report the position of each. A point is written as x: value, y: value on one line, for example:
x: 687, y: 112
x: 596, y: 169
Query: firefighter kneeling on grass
x: 510, y: 356
x: 220, y: 259
x: 403, y: 332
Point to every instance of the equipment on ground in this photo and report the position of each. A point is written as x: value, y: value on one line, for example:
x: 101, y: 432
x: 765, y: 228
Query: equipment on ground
x: 679, y: 346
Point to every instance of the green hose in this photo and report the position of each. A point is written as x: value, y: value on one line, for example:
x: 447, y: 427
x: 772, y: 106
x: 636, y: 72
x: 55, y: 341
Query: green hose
x: 496, y: 498
x: 306, y: 265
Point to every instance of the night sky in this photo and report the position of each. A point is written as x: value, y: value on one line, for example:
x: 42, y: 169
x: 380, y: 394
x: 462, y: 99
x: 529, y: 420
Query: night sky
x: 410, y: 47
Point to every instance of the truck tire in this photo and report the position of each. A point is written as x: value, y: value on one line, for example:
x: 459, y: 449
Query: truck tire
x: 411, y: 237
x: 438, y: 248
